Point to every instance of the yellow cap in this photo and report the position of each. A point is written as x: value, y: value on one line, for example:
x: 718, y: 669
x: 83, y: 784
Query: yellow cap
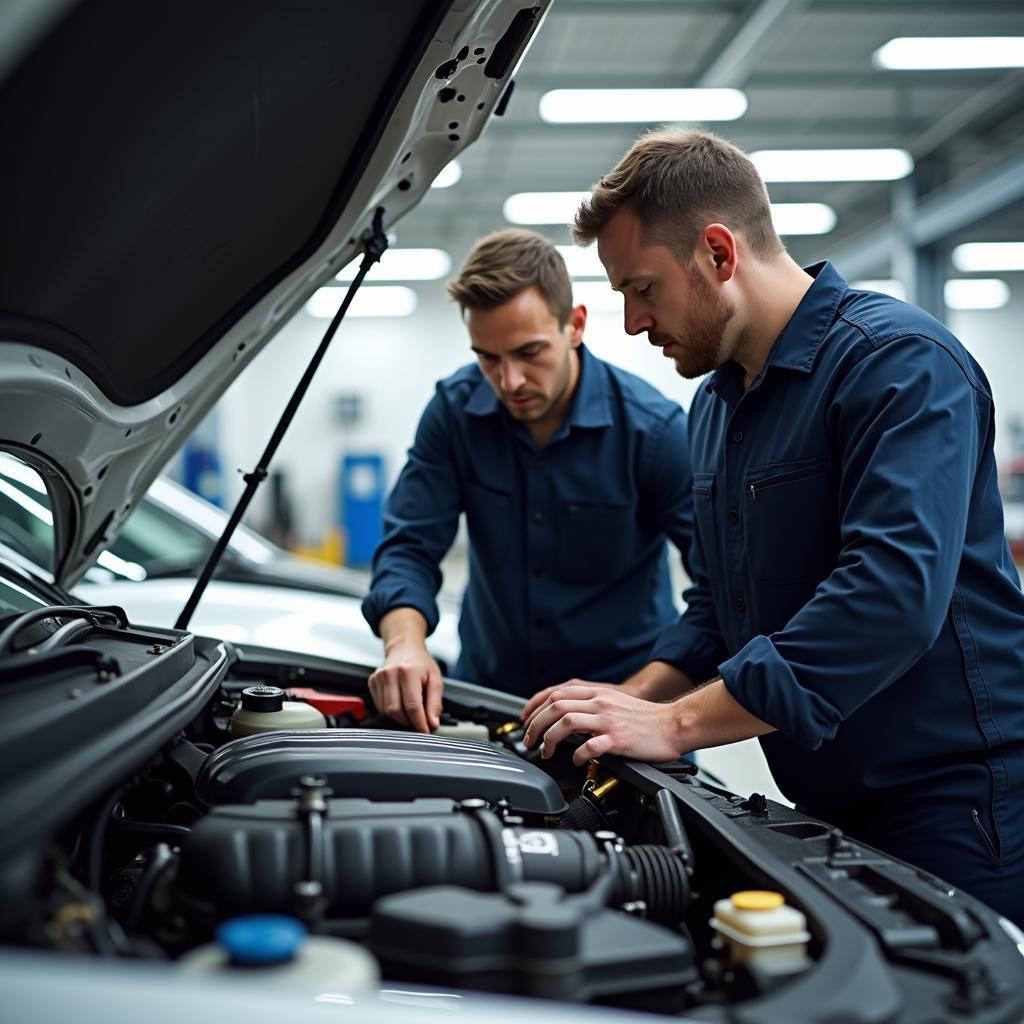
x: 757, y: 899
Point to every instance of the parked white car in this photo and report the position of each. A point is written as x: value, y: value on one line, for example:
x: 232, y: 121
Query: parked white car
x: 261, y: 593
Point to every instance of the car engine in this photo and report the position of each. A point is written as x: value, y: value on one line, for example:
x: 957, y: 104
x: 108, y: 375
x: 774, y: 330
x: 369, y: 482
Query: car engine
x: 247, y: 814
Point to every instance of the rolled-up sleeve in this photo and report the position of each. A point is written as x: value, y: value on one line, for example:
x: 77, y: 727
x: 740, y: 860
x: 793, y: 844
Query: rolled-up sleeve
x: 421, y: 517
x: 908, y: 423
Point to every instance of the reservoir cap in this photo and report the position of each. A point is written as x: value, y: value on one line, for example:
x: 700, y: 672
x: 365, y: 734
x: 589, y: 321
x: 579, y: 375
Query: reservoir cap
x: 256, y: 940
x: 757, y: 899
x: 263, y: 698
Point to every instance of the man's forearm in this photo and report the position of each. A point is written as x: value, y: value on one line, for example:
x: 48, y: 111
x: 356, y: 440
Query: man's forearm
x: 402, y: 626
x: 710, y: 716
x: 658, y: 681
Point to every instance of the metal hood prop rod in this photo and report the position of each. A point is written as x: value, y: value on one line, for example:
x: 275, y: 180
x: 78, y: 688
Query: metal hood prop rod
x: 375, y: 245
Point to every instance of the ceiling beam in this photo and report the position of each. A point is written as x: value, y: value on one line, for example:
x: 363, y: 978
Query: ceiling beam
x: 731, y: 67
x: 941, y: 215
x: 633, y: 77
x: 977, y: 106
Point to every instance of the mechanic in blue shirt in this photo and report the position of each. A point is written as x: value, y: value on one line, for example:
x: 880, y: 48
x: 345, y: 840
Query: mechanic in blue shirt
x: 571, y: 473
x: 854, y: 601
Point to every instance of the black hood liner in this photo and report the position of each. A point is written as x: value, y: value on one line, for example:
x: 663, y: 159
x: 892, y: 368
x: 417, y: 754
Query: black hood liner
x: 165, y: 165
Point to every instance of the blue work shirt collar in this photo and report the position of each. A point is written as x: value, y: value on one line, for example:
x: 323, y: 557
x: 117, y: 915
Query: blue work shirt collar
x: 797, y: 346
x: 590, y: 405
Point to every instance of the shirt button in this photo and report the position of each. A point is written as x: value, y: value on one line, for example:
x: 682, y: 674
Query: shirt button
x: 538, y: 517
x: 734, y: 516
x: 708, y: 389
x: 741, y: 605
x: 537, y: 570
x: 737, y: 436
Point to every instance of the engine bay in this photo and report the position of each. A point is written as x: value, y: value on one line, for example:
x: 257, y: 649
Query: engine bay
x: 455, y: 862
x: 221, y: 790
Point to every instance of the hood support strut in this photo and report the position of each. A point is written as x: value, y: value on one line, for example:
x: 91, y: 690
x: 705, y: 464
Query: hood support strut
x: 375, y: 244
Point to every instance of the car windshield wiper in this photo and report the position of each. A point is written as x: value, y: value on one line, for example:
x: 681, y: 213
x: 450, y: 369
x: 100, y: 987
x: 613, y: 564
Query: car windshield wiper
x: 375, y: 244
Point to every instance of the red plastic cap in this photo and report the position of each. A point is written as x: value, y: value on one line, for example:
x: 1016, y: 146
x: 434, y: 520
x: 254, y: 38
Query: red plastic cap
x: 330, y: 703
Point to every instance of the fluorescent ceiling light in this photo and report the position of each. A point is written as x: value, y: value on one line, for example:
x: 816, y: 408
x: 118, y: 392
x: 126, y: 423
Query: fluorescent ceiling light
x: 370, y: 300
x: 886, y: 286
x: 591, y: 106
x: 403, y: 265
x: 976, y: 293
x: 832, y: 164
x: 449, y: 175
x: 950, y: 53
x: 597, y: 296
x: 560, y: 208
x: 803, y: 218
x: 989, y: 256
x: 581, y: 262
x: 542, y: 207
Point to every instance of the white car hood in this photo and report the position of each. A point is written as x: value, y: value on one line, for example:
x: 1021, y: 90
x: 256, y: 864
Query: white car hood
x: 177, y: 180
x: 323, y: 624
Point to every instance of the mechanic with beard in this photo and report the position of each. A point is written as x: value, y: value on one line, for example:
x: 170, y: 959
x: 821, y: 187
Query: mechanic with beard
x: 854, y: 603
x: 571, y: 473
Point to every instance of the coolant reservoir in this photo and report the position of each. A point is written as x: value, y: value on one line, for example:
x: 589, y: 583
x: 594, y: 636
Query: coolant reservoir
x: 761, y: 930
x: 275, y: 951
x: 463, y: 730
x: 264, y: 709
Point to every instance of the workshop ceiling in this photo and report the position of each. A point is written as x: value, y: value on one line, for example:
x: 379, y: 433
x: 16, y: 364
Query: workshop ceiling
x: 806, y: 68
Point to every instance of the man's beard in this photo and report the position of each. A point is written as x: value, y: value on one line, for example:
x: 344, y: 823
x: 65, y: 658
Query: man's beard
x: 699, y: 344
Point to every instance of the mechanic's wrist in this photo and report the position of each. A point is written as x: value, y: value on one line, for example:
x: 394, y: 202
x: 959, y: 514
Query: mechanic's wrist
x: 684, y: 725
x: 404, y: 646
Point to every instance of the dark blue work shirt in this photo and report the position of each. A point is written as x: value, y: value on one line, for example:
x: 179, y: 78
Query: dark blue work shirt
x: 853, y: 585
x: 568, y: 567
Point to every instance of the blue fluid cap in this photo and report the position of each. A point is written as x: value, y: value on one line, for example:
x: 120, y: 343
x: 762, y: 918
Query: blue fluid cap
x: 261, y: 939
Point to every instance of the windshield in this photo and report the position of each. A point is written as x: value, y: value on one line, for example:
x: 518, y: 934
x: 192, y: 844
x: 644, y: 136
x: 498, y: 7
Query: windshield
x: 154, y: 541
x: 15, y: 598
x: 26, y: 522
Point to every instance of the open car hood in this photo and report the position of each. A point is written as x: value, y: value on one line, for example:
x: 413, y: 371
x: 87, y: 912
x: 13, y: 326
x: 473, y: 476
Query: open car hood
x: 177, y: 181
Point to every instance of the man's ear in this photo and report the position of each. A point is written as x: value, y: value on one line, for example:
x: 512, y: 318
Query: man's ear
x: 576, y: 323
x: 717, y: 251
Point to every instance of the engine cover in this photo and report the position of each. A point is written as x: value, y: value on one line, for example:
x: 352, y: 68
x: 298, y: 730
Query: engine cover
x: 377, y: 764
x: 250, y: 858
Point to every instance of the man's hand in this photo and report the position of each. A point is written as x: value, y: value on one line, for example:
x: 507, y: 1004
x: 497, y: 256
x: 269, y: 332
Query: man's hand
x: 618, y: 723
x: 541, y: 697
x: 657, y: 680
x: 408, y: 688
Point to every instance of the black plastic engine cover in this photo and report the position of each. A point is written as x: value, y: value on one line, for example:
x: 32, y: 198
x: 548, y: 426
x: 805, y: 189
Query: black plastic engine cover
x: 377, y: 764
x: 248, y: 858
x: 533, y: 940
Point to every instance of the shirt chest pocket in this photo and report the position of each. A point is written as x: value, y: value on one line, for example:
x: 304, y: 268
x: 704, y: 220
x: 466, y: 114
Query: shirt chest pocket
x: 596, y: 542
x: 792, y: 526
x: 487, y: 512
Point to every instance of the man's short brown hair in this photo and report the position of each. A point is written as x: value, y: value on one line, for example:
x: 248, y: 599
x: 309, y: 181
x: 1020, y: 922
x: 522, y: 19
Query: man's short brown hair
x: 677, y: 181
x: 505, y: 263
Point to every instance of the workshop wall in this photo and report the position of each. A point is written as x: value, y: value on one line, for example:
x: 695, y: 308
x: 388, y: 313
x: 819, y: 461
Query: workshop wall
x: 391, y: 365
